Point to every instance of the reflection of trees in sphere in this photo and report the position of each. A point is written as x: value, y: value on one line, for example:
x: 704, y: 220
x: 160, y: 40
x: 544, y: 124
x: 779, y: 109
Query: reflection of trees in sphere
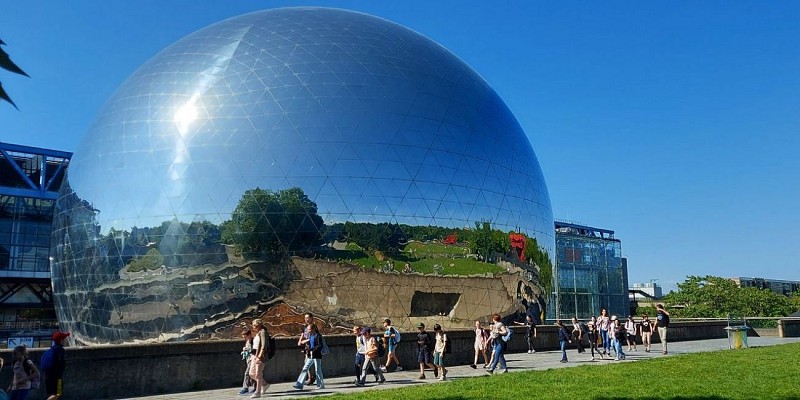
x: 312, y: 133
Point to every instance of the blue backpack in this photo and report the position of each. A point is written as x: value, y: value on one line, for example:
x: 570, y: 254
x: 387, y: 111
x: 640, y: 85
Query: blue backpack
x: 396, y: 338
x: 46, y: 363
x: 507, y: 337
x: 325, y: 350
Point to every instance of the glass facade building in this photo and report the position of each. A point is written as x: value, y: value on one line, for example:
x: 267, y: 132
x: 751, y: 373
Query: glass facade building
x: 299, y: 159
x: 590, y: 273
x: 29, y: 182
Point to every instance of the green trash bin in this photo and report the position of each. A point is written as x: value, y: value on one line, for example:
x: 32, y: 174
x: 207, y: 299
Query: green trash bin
x: 737, y: 336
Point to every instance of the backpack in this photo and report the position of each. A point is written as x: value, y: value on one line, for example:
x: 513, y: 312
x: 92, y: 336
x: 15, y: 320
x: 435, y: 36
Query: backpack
x: 381, y: 348
x: 46, y: 363
x: 507, y: 337
x: 27, y: 364
x: 325, y: 349
x: 271, y: 349
x: 448, y: 348
x: 396, y: 339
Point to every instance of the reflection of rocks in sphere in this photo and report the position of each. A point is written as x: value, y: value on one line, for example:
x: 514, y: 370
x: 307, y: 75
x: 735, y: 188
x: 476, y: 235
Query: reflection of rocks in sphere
x: 308, y: 133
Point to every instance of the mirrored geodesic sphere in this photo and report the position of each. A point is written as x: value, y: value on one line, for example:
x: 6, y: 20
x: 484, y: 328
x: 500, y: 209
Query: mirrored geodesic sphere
x: 294, y: 160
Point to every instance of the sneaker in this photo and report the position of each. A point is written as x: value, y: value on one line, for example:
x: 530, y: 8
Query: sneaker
x: 473, y: 366
x: 490, y: 371
x: 298, y: 387
x: 382, y: 382
x: 485, y: 366
x: 529, y: 352
x: 442, y: 378
x: 398, y: 369
x: 359, y: 383
x: 592, y: 358
x: 505, y: 371
x: 533, y: 351
x: 320, y: 387
x: 616, y: 358
x: 383, y: 368
x: 422, y: 376
x: 244, y: 391
x: 256, y: 396
x: 563, y: 361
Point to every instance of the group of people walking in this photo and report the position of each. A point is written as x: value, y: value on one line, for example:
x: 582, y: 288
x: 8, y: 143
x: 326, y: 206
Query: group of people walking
x: 603, y: 335
x: 27, y: 377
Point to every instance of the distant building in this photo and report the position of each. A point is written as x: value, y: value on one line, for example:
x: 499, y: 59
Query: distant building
x: 590, y: 273
x: 29, y: 181
x: 648, y: 290
x: 786, y: 288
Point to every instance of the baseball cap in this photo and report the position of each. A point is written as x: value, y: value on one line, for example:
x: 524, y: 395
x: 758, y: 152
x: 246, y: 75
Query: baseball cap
x: 58, y: 336
x: 420, y: 325
x: 613, y: 317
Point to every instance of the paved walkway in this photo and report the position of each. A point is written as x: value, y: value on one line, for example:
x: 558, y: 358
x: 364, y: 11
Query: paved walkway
x: 516, y: 362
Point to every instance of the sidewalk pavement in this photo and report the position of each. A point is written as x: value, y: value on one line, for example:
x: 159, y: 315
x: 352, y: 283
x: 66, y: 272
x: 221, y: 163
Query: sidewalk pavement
x: 516, y: 362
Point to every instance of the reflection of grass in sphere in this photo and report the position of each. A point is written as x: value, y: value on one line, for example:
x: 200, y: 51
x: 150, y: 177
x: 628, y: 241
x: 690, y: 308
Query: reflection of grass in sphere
x: 422, y: 257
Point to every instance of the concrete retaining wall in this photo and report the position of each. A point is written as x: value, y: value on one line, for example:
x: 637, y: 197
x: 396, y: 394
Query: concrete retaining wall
x: 105, y: 372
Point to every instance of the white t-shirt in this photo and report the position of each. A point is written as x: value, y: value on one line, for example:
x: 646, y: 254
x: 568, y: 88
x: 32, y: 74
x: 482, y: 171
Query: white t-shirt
x: 496, y: 329
x: 257, y: 342
x: 440, y: 339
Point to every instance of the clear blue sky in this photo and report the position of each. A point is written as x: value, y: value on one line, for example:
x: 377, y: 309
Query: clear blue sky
x: 676, y: 125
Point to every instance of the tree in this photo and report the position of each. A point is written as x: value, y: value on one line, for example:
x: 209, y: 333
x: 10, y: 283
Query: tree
x: 8, y: 65
x: 152, y: 260
x: 267, y: 223
x: 383, y: 237
x: 715, y: 297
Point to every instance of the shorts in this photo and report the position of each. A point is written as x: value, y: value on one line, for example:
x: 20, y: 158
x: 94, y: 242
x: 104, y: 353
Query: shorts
x: 392, y: 346
x: 438, y: 358
x: 479, y: 346
x: 423, y: 356
x: 632, y: 337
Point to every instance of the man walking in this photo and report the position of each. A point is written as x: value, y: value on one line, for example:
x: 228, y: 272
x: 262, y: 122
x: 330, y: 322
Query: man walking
x: 308, y: 318
x: 392, y: 336
x: 661, y: 325
x: 53, y: 363
x: 424, y: 347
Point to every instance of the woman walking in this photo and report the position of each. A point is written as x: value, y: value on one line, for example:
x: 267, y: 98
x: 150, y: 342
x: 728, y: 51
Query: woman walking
x: 259, y: 360
x: 26, y: 376
x: 312, y: 346
x: 577, y: 334
x: 499, y: 330
x: 618, y: 330
x: 480, y: 346
x: 604, y: 324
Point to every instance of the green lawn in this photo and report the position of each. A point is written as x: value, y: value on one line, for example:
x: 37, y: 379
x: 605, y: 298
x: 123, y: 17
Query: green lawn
x: 755, y: 373
x: 421, y: 256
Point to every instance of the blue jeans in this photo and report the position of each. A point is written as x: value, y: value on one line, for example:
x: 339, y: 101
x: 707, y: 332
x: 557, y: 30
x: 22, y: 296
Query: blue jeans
x: 618, y: 348
x: 19, y: 394
x: 317, y: 363
x: 606, y: 341
x: 563, y: 350
x: 497, y: 356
